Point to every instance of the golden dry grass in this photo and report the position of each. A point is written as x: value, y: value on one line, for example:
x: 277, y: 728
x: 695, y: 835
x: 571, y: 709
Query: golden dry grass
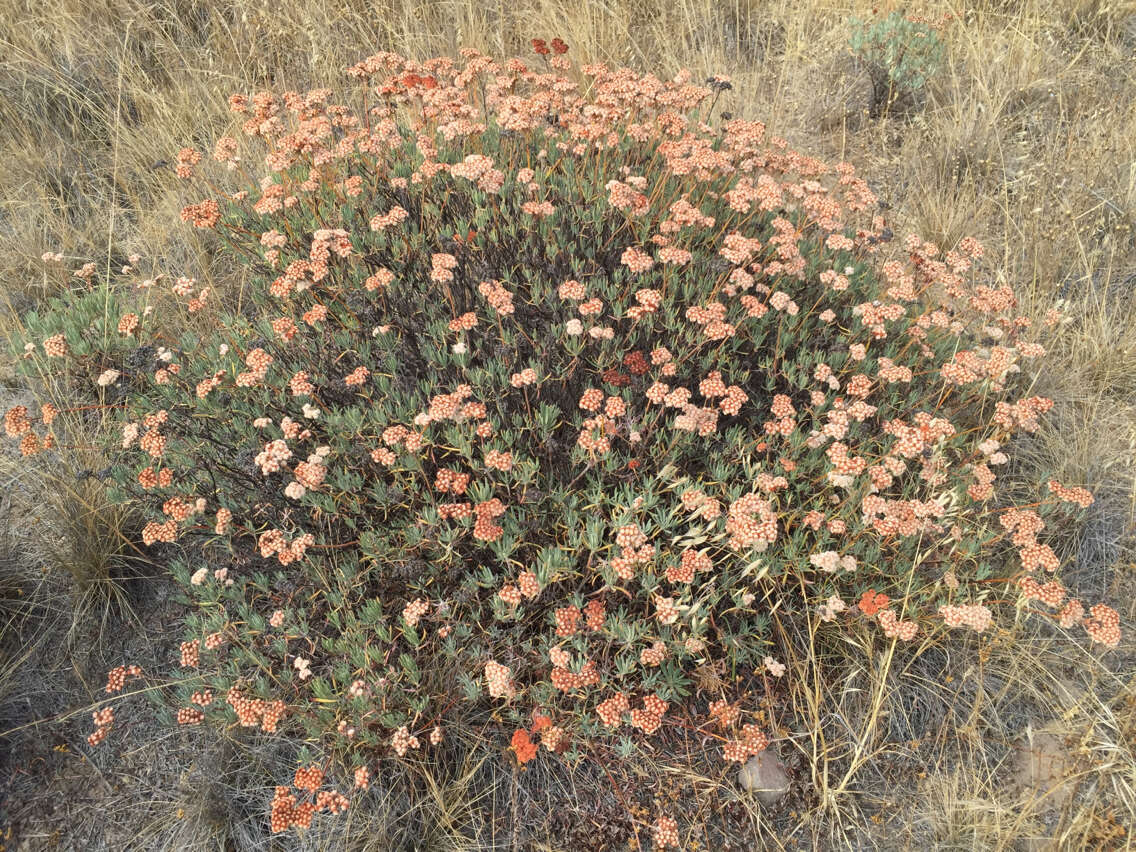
x: 1027, y: 140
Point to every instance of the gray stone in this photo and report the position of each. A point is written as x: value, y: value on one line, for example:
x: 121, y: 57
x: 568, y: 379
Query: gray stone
x: 765, y: 776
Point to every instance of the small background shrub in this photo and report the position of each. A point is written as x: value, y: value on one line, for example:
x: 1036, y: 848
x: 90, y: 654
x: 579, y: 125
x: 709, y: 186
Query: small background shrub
x: 903, y: 54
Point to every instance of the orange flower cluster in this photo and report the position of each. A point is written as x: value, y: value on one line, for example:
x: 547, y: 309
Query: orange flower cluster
x: 634, y: 550
x: 362, y: 778
x: 103, y: 719
x: 1079, y: 496
x: 356, y: 377
x: 567, y: 621
x: 55, y: 346
x: 611, y: 711
x: 665, y: 832
x: 654, y: 655
x: 191, y: 654
x: 190, y: 716
x: 649, y: 717
x: 1103, y: 625
x: 395, y: 216
x: 564, y: 679
x: 1051, y: 593
x: 450, y: 481
x: 896, y: 629
x: 484, y: 529
x: 204, y: 214
x: 287, y: 811
x: 308, y: 778
x: 16, y: 421
x: 255, y: 711
x: 258, y: 362
x: 116, y: 677
x: 595, y: 613
x: 872, y: 602
x: 723, y: 713
x: 692, y: 562
x: 500, y: 299
x: 274, y: 542
x: 523, y: 746
x: 753, y: 741
x: 665, y: 610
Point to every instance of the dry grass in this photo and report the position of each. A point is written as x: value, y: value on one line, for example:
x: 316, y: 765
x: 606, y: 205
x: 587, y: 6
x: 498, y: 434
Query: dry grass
x: 1027, y: 139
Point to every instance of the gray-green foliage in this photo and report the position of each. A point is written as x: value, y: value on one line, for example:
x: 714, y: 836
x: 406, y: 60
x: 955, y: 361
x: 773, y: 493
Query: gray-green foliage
x: 908, y: 53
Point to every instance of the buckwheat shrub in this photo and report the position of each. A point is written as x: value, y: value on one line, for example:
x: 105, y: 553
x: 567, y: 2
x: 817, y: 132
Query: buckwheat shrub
x: 549, y: 385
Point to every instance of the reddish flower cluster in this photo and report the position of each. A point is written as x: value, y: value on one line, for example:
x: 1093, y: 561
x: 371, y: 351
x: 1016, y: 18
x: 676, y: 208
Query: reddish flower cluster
x: 665, y: 832
x: 484, y: 529
x: 753, y: 741
x: 654, y: 655
x: 308, y: 778
x: 723, y: 713
x: 557, y: 47
x: 191, y: 654
x: 872, y: 602
x: 1079, y: 496
x: 595, y: 614
x: 1103, y: 625
x: 611, y: 711
x: 116, y: 677
x: 103, y: 719
x: 190, y: 716
x: 649, y: 717
x: 1050, y: 594
x: 255, y: 711
x: 564, y: 679
x: 274, y: 542
x: 567, y: 621
x: 523, y: 746
x: 287, y: 811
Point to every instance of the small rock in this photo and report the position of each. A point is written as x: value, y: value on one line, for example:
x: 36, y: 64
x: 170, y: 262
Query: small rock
x: 765, y: 776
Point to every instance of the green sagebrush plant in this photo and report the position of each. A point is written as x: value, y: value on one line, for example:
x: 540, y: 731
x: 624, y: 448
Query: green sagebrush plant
x: 549, y: 388
x: 903, y: 53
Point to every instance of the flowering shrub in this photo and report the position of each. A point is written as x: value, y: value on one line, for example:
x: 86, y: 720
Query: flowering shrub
x: 548, y: 386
